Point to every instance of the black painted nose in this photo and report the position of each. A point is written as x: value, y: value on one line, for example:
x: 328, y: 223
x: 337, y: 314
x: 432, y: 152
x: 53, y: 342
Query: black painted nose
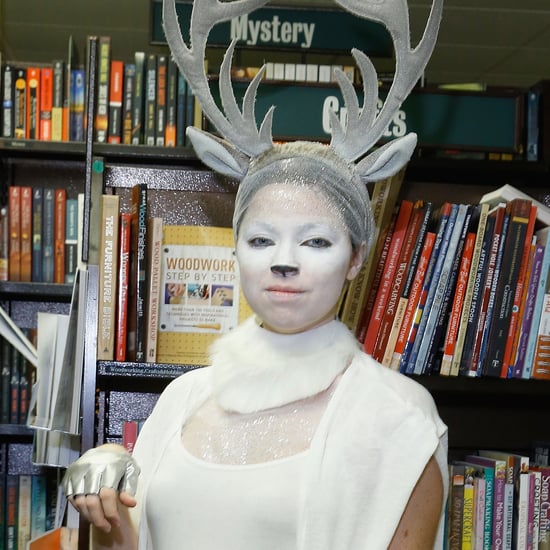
x: 284, y: 270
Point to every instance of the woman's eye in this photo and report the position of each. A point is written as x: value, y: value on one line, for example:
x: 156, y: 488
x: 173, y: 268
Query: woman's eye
x: 318, y: 242
x: 260, y: 242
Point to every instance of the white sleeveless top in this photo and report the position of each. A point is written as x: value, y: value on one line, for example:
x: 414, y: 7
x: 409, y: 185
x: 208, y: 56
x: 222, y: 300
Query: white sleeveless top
x: 217, y: 506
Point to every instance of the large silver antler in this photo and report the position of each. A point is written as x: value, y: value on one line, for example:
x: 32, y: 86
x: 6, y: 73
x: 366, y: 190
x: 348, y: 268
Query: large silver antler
x: 364, y: 127
x: 237, y: 127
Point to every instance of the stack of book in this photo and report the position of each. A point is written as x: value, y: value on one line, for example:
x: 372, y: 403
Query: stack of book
x: 498, y: 500
x: 461, y: 290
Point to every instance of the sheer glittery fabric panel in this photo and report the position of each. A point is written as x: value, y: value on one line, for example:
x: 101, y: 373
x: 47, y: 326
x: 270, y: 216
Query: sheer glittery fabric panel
x: 220, y: 437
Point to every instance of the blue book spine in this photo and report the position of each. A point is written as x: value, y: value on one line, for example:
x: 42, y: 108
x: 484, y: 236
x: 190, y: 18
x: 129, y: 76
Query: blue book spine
x: 71, y: 240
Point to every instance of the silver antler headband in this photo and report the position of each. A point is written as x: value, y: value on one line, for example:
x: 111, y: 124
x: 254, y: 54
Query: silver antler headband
x: 365, y: 124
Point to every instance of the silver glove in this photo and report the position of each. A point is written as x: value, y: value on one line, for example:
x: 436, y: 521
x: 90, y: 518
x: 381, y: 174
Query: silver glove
x: 99, y: 468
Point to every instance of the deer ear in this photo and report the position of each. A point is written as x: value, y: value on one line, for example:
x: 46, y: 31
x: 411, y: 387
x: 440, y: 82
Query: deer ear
x: 218, y: 154
x: 387, y: 160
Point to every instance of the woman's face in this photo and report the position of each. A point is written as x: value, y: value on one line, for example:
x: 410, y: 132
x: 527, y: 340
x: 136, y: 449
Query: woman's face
x: 294, y: 254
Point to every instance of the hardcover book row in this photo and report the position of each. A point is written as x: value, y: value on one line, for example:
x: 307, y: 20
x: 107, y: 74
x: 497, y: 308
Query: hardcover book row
x: 498, y: 500
x: 459, y: 290
x: 39, y: 235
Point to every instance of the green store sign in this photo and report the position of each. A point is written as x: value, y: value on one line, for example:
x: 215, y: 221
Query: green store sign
x: 467, y: 121
x: 287, y: 28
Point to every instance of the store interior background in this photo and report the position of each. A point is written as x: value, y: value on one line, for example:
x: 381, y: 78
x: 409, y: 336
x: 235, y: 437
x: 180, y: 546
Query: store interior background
x: 491, y: 42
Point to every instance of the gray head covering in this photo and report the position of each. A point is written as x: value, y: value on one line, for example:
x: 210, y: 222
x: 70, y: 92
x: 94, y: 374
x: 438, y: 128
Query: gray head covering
x: 315, y: 165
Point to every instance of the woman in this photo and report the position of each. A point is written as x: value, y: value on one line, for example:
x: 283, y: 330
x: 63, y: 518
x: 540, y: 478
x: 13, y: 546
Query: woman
x: 293, y: 439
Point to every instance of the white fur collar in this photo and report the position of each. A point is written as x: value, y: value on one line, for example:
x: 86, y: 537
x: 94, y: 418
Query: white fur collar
x: 255, y: 369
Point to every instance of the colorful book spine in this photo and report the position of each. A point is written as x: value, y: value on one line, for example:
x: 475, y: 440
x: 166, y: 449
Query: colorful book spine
x: 108, y: 252
x: 24, y: 511
x: 181, y: 124
x: 122, y: 286
x: 71, y: 240
x: 512, y: 254
x: 38, y: 505
x: 116, y: 88
x: 138, y: 270
x: 58, y: 93
x: 541, y: 360
x: 160, y: 101
x: 8, y: 100
x: 76, y: 105
x: 20, y: 104
x: 129, y: 85
x: 150, y: 99
x: 14, y: 213
x: 32, y: 97
x: 4, y: 243
x: 46, y: 99
x: 170, y: 132
x: 26, y: 234
x: 48, y: 211
x: 60, y: 223
x: 103, y: 80
x: 138, y: 104
x: 154, y: 266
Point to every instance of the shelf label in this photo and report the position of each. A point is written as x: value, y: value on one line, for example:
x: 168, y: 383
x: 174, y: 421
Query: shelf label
x: 297, y: 29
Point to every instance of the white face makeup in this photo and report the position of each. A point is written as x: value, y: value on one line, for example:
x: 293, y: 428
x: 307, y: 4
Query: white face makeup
x: 295, y: 255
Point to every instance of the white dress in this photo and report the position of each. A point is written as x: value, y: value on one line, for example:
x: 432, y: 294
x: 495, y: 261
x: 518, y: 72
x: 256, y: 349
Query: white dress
x: 369, y: 448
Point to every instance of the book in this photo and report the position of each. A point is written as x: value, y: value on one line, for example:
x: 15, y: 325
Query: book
x: 8, y: 99
x: 46, y: 98
x: 154, y: 265
x: 127, y: 105
x: 456, y: 508
x: 14, y: 214
x: 71, y: 240
x: 39, y: 499
x: 469, y: 306
x: 24, y: 510
x: 499, y: 491
x: 408, y: 282
x: 58, y: 98
x: 527, y: 311
x: 139, y: 99
x: 150, y: 99
x: 4, y: 243
x: 170, y: 132
x: 114, y: 133
x: 544, y: 508
x: 101, y: 124
x: 32, y: 98
x: 440, y: 281
x: 122, y: 286
x: 413, y: 300
x: 12, y: 498
x: 77, y: 80
x: 20, y: 104
x: 449, y: 343
x: 519, y: 211
x: 60, y: 224
x: 110, y: 206
x: 37, y: 205
x: 26, y: 234
x: 48, y: 232
x: 508, y: 192
x: 130, y: 429
x: 397, y: 239
x: 160, y: 99
x: 442, y: 217
x: 541, y: 359
x: 201, y: 297
x: 398, y: 282
x: 135, y: 344
x: 181, y: 112
x: 543, y: 285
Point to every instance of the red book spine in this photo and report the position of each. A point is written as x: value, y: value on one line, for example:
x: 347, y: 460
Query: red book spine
x: 398, y: 281
x: 122, y: 287
x: 130, y: 430
x: 115, y: 102
x: 14, y: 213
x: 46, y: 101
x: 390, y: 268
x: 26, y: 234
x: 59, y: 235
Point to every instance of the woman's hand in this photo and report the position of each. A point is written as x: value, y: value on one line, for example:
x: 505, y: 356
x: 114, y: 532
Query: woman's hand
x: 98, y: 481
